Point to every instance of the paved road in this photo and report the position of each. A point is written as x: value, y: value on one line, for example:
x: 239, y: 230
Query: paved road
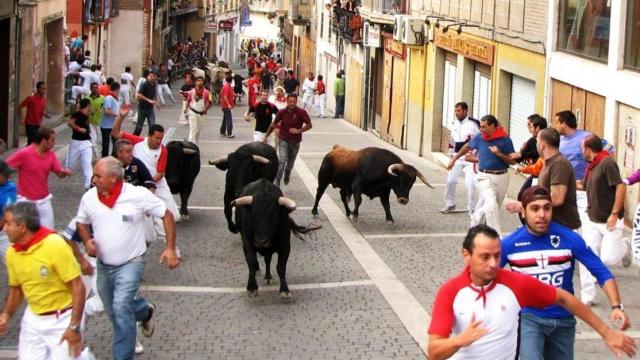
x: 360, y: 290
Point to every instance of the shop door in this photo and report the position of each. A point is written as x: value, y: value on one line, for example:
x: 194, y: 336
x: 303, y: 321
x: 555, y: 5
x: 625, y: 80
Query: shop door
x: 397, y: 102
x: 523, y: 105
x: 54, y: 66
x: 481, y: 91
x: 377, y: 91
x: 386, y: 96
x: 448, y: 100
x: 588, y: 107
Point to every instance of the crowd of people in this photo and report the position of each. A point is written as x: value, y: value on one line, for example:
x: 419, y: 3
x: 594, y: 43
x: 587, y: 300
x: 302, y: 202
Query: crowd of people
x: 571, y: 208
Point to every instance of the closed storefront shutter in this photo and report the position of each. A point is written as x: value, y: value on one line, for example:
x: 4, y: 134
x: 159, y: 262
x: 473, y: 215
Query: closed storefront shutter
x: 449, y: 94
x: 523, y: 104
x: 481, y: 92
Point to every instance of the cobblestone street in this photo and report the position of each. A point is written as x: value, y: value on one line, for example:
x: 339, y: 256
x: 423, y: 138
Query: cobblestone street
x: 360, y: 290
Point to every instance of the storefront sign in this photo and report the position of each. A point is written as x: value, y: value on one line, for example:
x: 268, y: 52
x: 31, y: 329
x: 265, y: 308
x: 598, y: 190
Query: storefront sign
x: 477, y: 50
x: 226, y: 25
x: 395, y: 48
x: 371, y: 35
x: 210, y: 27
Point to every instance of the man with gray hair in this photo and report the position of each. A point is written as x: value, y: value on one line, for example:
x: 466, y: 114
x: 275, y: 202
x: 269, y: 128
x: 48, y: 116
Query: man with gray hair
x: 41, y: 268
x: 116, y: 210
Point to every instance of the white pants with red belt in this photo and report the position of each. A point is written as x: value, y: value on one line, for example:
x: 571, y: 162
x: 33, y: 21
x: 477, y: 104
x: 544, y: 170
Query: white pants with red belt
x: 40, y: 337
x: 321, y: 104
x: 45, y: 210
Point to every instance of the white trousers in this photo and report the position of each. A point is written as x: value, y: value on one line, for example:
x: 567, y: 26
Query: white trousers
x: 635, y: 235
x: 460, y: 168
x: 608, y: 245
x: 79, y: 90
x: 161, y: 89
x: 93, y: 304
x: 40, y: 337
x: 491, y: 192
x: 258, y: 136
x: 164, y: 193
x: 96, y: 140
x: 45, y: 210
x: 581, y: 202
x: 321, y: 104
x: 124, y: 95
x: 4, y: 245
x: 307, y: 101
x: 80, y: 152
x: 195, y: 126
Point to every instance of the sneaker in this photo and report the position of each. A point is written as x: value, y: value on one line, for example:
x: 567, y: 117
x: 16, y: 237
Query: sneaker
x: 230, y: 136
x: 447, y: 209
x: 139, y: 349
x: 148, y: 325
x: 628, y: 256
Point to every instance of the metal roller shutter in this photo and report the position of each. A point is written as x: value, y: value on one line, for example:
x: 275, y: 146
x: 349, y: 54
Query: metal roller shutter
x: 481, y: 94
x: 449, y: 94
x: 523, y: 104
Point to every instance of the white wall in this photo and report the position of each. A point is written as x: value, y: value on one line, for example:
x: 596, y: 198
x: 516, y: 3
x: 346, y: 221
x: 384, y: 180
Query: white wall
x: 126, y: 43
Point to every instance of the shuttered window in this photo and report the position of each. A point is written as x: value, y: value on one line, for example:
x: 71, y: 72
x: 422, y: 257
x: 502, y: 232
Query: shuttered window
x: 481, y: 91
x: 449, y: 94
x: 523, y: 104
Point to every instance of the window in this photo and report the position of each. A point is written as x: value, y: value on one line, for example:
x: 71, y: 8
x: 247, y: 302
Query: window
x: 584, y: 27
x: 632, y: 40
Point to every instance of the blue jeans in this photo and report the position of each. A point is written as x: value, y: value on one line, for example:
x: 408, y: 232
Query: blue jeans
x: 551, y: 339
x: 339, y: 105
x: 144, y: 114
x: 287, y: 153
x: 117, y: 287
x: 227, y: 122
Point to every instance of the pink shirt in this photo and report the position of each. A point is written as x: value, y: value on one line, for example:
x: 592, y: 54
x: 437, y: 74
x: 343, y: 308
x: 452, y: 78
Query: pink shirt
x: 33, y: 171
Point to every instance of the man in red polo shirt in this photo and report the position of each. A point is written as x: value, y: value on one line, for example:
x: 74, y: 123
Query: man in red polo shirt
x: 293, y: 121
x: 36, y: 105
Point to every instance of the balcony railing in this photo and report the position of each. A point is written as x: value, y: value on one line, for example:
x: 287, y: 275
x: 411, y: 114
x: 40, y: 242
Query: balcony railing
x: 387, y: 6
x: 347, y: 24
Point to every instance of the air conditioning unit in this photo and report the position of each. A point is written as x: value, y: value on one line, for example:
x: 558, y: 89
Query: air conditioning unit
x: 397, y: 26
x: 412, y: 31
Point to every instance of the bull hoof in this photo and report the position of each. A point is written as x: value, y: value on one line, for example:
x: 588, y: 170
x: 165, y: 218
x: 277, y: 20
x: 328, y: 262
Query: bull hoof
x: 185, y: 217
x: 233, y: 229
x: 285, y: 295
x: 268, y: 280
x: 354, y: 218
x: 252, y: 293
x: 390, y: 221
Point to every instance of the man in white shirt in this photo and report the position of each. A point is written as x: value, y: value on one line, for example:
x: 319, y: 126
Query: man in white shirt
x: 308, y: 92
x: 126, y: 81
x: 464, y: 129
x: 88, y: 76
x: 117, y: 212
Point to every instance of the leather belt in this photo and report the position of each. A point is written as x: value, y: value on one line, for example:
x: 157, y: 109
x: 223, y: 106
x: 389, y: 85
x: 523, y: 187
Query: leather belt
x: 494, y: 172
x: 197, y: 112
x: 57, y: 312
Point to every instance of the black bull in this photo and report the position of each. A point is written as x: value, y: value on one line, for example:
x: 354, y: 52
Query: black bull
x: 372, y: 171
x: 262, y: 215
x: 248, y: 163
x: 183, y: 166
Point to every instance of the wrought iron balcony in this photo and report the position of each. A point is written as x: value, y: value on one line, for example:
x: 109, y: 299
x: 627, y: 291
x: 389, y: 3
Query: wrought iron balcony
x: 386, y: 6
x: 347, y: 24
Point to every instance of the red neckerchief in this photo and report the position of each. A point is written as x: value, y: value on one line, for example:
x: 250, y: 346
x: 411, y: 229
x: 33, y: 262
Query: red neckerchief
x: 596, y: 160
x: 498, y: 134
x: 113, y: 195
x: 199, y: 92
x: 481, y: 290
x: 37, y: 236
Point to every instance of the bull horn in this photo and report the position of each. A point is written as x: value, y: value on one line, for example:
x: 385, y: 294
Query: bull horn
x: 218, y: 160
x: 423, y: 179
x: 260, y: 159
x: 286, y: 202
x: 393, y: 167
x: 245, y: 200
x: 188, y: 151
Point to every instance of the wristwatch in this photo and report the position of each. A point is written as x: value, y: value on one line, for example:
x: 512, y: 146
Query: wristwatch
x: 74, y: 328
x: 619, y: 306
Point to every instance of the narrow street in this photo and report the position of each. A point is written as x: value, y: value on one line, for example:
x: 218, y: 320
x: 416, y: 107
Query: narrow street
x: 360, y: 290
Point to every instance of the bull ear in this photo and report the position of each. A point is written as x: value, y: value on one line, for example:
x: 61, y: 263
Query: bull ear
x: 287, y: 203
x: 245, y: 200
x: 423, y: 179
x: 394, y: 169
x: 188, y: 151
x: 220, y: 162
x: 260, y: 159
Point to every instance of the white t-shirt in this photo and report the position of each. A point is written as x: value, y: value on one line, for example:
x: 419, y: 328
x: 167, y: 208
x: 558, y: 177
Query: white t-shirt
x: 88, y: 78
x: 140, y: 81
x: 149, y: 158
x: 119, y: 232
x: 125, y: 80
x: 308, y: 87
x: 169, y: 64
x: 463, y: 131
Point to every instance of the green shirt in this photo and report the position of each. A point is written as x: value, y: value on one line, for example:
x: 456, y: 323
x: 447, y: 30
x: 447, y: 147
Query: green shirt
x: 95, y: 109
x: 338, y: 87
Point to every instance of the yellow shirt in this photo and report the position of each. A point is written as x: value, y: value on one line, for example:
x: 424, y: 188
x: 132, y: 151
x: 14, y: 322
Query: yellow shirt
x: 42, y: 272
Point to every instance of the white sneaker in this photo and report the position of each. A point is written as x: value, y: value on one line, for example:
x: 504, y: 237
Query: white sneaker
x: 139, y: 348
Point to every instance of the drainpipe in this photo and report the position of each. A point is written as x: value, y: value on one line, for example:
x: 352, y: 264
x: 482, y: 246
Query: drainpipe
x: 16, y: 92
x: 365, y: 89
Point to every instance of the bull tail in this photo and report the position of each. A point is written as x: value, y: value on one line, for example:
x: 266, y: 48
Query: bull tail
x: 299, y: 231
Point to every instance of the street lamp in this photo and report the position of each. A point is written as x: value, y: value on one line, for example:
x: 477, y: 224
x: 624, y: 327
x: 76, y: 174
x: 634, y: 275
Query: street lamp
x: 459, y: 25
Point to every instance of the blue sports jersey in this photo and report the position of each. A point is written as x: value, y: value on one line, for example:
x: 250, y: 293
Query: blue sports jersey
x: 551, y: 259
